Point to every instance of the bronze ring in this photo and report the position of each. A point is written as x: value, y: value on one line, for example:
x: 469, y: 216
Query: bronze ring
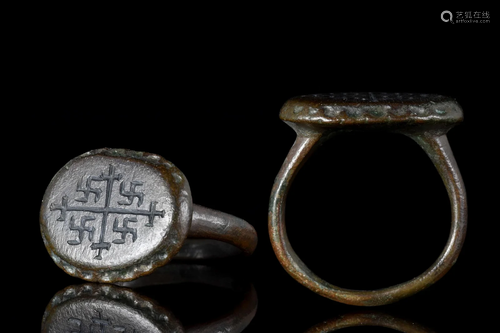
x: 424, y: 118
x: 114, y: 214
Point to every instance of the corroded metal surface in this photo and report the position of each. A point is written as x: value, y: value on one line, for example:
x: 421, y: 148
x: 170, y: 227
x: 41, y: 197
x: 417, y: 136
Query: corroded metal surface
x: 110, y: 308
x: 371, y: 110
x: 115, y: 214
x: 209, y: 223
x: 424, y: 118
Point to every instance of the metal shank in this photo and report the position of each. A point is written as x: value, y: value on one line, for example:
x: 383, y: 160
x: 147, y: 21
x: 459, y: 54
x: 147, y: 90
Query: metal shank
x: 215, y: 225
x: 435, y: 144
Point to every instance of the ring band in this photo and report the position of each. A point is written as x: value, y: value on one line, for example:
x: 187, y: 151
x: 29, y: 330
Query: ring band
x: 424, y: 118
x: 113, y: 215
x: 212, y: 224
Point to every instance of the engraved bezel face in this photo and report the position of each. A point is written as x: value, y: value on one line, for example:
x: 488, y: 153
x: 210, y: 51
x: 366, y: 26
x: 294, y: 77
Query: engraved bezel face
x: 113, y: 214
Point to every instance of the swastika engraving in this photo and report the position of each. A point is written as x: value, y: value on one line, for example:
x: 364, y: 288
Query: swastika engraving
x: 131, y: 194
x: 84, y: 229
x: 81, y: 229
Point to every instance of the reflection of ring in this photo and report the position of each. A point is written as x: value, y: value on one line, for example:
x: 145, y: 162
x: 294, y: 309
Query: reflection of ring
x: 108, y: 308
x: 114, y: 214
x: 369, y: 319
x: 424, y: 118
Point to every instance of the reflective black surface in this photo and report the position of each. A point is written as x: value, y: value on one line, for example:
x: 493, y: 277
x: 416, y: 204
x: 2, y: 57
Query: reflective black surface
x: 210, y: 102
x: 94, y: 307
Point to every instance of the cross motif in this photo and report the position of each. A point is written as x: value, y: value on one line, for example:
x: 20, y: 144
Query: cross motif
x: 109, y: 180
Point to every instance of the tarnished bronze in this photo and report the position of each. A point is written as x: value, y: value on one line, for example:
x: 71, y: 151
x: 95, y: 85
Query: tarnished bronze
x: 115, y: 214
x: 424, y: 118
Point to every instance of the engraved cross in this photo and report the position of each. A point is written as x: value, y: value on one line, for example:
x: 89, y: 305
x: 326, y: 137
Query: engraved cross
x: 109, y: 179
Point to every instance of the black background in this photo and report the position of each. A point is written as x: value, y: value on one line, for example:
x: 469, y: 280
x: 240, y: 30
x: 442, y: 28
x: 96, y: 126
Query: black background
x: 367, y: 210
